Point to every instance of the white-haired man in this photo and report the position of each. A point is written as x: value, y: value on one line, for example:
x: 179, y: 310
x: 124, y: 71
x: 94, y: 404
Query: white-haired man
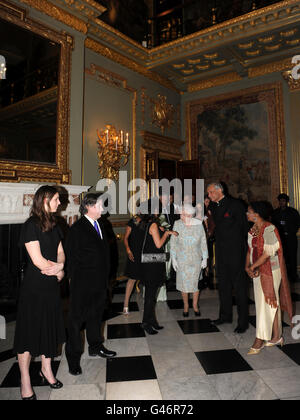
x: 231, y: 246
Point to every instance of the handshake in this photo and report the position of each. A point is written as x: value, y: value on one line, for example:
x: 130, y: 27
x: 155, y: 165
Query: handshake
x: 175, y: 263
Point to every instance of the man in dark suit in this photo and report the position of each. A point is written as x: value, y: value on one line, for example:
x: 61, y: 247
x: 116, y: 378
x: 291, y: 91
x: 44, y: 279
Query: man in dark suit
x: 287, y: 221
x: 231, y: 247
x: 167, y: 208
x: 88, y: 266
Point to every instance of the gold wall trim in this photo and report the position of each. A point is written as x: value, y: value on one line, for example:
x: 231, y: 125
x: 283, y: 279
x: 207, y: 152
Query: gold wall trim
x: 58, y: 13
x: 126, y: 62
x: 42, y: 172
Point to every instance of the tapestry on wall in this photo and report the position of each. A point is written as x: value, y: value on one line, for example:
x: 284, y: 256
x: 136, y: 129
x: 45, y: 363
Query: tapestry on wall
x: 239, y: 140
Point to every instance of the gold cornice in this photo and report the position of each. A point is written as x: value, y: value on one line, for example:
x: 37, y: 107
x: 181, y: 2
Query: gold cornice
x: 224, y: 79
x: 241, y: 24
x: 276, y: 66
x: 57, y: 13
x: 113, y: 55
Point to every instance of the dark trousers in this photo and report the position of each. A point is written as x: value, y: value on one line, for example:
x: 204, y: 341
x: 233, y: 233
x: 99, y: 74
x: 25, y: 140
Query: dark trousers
x: 149, y: 317
x: 92, y: 318
x: 229, y: 278
x: 290, y: 246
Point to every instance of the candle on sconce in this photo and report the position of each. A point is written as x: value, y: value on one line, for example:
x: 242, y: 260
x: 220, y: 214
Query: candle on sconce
x: 122, y: 137
x: 117, y: 138
x: 106, y: 136
x: 127, y: 142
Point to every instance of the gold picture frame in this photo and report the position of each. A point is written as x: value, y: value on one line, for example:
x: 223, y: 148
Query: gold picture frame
x: 26, y: 171
x: 254, y: 164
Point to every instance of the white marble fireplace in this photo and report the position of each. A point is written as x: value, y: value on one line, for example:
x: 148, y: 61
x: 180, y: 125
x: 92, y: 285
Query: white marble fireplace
x: 16, y: 200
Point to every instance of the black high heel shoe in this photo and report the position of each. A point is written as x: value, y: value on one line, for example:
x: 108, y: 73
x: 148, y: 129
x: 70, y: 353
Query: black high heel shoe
x: 31, y: 398
x: 197, y: 313
x: 56, y: 385
x: 185, y: 314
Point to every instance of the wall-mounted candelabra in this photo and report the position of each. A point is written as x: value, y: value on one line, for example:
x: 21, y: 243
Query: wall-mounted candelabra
x: 113, y: 152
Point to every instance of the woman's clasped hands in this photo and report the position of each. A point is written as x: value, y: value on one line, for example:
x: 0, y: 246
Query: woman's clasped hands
x: 54, y: 269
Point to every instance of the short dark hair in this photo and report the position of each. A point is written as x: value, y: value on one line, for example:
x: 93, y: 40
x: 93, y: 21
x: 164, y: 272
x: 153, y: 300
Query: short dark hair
x: 284, y: 197
x: 89, y: 200
x: 263, y: 208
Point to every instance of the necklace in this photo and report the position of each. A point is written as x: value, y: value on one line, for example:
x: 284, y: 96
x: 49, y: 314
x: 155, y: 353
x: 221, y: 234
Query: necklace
x: 256, y: 230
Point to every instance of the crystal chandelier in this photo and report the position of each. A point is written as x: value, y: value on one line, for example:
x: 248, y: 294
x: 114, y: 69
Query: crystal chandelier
x: 113, y: 152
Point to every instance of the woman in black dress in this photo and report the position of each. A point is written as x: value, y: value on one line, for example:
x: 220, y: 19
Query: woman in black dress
x: 40, y: 326
x: 152, y: 274
x: 133, y: 241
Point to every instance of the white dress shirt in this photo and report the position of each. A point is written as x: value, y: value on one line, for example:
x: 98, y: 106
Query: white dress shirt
x: 92, y: 221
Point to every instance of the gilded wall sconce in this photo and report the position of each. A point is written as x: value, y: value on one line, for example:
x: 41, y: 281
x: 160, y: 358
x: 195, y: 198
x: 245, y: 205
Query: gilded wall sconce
x: 113, y: 152
x: 162, y: 113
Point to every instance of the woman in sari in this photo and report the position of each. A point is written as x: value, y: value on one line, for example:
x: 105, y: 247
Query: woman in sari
x: 265, y: 265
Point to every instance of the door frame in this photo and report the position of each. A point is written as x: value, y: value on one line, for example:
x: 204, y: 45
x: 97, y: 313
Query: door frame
x: 167, y: 147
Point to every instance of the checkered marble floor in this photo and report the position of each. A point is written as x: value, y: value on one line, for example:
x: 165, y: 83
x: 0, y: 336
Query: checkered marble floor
x: 190, y: 359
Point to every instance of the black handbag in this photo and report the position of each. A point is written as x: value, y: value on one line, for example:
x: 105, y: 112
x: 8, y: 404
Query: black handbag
x: 162, y: 257
x: 201, y: 281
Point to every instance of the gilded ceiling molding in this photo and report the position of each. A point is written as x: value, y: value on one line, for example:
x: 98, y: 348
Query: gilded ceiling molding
x: 240, y: 25
x: 276, y: 66
x: 126, y: 62
x: 224, y: 79
x: 57, y: 13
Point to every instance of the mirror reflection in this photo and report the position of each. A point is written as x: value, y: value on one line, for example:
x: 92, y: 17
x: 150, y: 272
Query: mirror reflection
x: 28, y: 95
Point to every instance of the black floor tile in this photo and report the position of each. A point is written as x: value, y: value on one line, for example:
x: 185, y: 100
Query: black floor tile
x: 6, y: 355
x: 292, y: 351
x: 12, y: 379
x: 137, y: 368
x: 124, y: 331
x: 222, y: 361
x: 118, y: 307
x: 197, y: 326
x: 178, y: 303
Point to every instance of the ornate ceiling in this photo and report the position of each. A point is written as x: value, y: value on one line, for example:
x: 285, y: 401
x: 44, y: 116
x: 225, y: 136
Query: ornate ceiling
x: 254, y: 44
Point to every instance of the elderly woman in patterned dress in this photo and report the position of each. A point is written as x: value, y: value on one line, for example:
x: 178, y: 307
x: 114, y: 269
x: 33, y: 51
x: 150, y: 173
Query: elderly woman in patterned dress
x: 189, y: 255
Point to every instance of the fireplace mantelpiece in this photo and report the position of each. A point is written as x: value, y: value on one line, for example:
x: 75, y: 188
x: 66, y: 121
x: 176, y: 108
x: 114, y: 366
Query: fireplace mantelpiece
x: 16, y: 201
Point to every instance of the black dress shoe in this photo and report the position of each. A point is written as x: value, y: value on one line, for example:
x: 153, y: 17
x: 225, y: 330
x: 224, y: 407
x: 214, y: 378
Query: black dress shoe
x: 102, y: 352
x: 75, y: 371
x: 149, y: 329
x: 56, y: 385
x: 157, y: 327
x: 240, y: 330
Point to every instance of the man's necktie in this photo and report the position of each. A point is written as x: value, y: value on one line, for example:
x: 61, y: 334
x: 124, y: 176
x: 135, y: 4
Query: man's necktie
x: 96, y: 227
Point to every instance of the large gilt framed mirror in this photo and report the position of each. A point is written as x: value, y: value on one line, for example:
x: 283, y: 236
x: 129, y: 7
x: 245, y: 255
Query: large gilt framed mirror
x: 34, y: 99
